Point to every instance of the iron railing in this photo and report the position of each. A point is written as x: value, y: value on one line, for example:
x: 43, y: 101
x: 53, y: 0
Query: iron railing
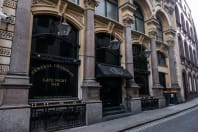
x: 149, y: 103
x: 52, y: 118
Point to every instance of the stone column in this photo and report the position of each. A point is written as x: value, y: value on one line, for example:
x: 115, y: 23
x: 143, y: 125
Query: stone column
x: 157, y: 88
x: 15, y: 106
x: 132, y: 89
x: 172, y: 65
x: 90, y: 88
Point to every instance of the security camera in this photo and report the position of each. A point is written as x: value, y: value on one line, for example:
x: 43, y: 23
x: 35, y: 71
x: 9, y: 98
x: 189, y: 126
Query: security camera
x: 3, y: 16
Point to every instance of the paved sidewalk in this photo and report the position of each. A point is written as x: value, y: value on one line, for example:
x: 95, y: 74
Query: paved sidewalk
x: 135, y: 120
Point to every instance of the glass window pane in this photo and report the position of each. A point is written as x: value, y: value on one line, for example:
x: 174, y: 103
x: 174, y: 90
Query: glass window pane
x: 100, y: 10
x: 112, y: 11
x: 74, y: 1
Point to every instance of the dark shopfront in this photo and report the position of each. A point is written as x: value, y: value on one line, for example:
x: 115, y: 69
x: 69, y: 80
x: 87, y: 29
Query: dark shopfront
x: 109, y: 73
x: 54, y: 75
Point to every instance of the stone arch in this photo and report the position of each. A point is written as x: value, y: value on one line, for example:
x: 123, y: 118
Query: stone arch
x: 116, y: 34
x: 69, y: 17
x: 146, y: 8
x: 163, y: 16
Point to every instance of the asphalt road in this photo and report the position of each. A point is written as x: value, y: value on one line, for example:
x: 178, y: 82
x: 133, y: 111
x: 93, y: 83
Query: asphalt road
x: 184, y: 122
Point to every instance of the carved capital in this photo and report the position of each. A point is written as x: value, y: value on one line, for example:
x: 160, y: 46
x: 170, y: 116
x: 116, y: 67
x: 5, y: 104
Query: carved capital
x: 152, y: 32
x: 152, y: 26
x: 91, y: 4
x: 127, y: 13
x: 171, y: 42
x: 128, y: 20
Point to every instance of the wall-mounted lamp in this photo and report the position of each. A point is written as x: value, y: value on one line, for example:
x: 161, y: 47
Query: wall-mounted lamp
x: 63, y: 28
x: 147, y: 53
x: 114, y: 44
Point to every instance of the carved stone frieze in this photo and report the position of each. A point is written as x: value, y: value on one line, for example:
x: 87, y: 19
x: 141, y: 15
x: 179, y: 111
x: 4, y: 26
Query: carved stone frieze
x: 5, y: 51
x: 45, y: 2
x: 6, y: 35
x: 4, y: 69
x: 10, y: 3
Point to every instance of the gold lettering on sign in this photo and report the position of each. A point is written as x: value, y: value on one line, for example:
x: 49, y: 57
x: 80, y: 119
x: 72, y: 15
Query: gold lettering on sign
x: 56, y: 66
x: 54, y: 82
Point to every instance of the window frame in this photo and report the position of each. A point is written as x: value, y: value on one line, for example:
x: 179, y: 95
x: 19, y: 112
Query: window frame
x: 111, y: 2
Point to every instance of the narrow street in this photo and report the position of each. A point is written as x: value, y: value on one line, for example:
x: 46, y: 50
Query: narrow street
x: 183, y: 122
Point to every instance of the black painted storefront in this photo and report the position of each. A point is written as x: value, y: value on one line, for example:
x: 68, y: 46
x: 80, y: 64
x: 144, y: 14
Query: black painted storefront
x: 109, y: 73
x: 53, y: 72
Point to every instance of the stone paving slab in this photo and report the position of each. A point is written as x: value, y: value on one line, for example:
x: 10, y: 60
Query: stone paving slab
x: 135, y: 120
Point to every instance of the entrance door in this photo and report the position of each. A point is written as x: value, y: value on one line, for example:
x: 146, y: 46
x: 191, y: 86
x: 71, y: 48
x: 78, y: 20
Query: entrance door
x: 111, y: 92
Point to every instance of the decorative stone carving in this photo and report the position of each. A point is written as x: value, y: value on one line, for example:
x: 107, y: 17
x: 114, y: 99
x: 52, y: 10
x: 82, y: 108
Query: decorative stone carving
x: 91, y: 4
x: 6, y: 34
x: 170, y: 36
x: 4, y: 69
x: 10, y: 3
x: 45, y: 2
x: 5, y: 51
x: 127, y: 13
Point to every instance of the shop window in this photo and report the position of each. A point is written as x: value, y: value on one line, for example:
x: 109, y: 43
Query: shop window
x: 108, y: 8
x: 161, y: 59
x: 54, y: 60
x: 139, y: 20
x: 159, y: 31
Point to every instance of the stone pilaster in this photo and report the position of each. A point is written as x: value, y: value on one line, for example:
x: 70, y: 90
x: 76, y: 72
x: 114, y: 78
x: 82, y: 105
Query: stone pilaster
x: 127, y: 11
x: 172, y: 60
x: 16, y: 82
x: 132, y: 101
x: 157, y: 88
x: 90, y: 88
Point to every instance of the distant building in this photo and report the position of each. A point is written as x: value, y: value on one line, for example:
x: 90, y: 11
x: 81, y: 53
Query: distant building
x: 187, y: 43
x: 69, y: 63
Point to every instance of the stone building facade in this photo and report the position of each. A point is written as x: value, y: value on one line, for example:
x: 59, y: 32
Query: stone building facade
x: 51, y: 82
x: 187, y: 43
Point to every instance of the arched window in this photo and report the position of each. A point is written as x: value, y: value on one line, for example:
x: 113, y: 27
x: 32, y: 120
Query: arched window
x: 108, y: 8
x: 139, y: 20
x: 161, y: 59
x: 186, y: 50
x: 181, y: 46
x: 191, y: 54
x: 177, y: 16
x: 183, y: 22
x: 159, y: 30
x: 195, y: 87
x: 54, y: 60
x: 190, y: 83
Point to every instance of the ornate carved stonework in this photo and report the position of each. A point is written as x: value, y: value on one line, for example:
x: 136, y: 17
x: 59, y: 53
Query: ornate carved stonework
x: 170, y: 36
x: 91, y: 4
x: 45, y: 2
x: 168, y: 5
x: 6, y: 35
x: 5, y: 52
x: 127, y: 13
x: 10, y: 3
x: 4, y: 69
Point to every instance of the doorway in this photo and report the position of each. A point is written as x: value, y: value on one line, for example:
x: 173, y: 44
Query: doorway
x: 111, y: 92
